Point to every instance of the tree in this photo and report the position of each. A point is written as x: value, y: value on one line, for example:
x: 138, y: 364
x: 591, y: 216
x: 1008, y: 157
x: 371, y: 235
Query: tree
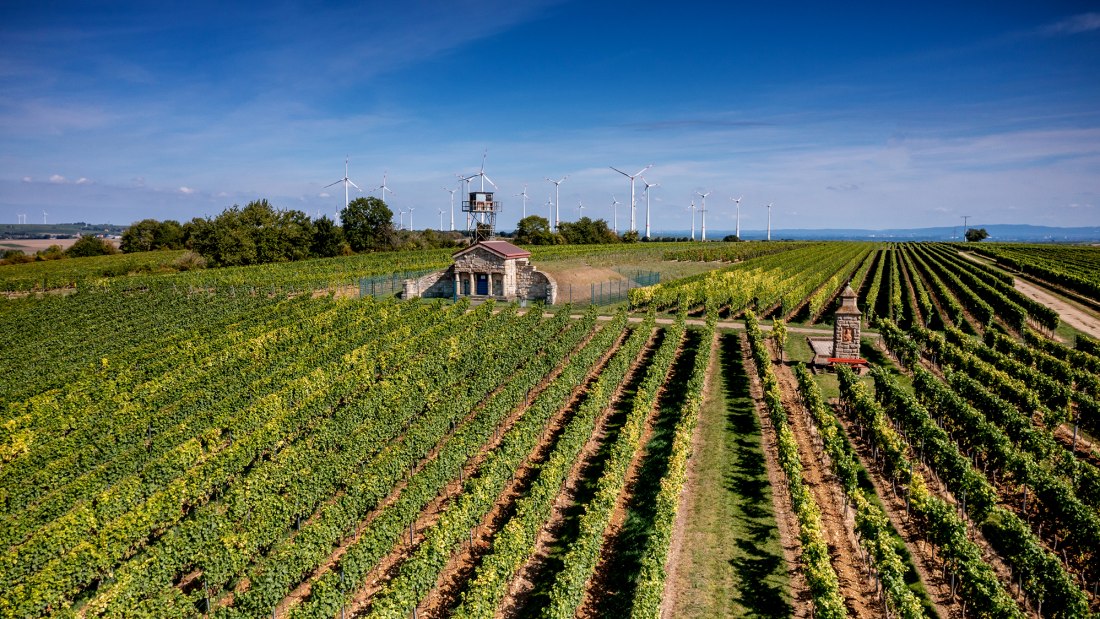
x: 368, y: 224
x: 731, y: 238
x: 150, y: 234
x: 630, y: 237
x: 534, y: 230
x: 90, y: 246
x: 587, y: 231
x: 328, y: 239
x: 256, y: 234
x: 974, y: 235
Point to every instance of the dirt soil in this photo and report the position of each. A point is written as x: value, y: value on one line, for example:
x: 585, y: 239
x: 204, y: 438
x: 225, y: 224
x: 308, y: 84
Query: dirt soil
x: 575, y: 284
x: 838, y: 523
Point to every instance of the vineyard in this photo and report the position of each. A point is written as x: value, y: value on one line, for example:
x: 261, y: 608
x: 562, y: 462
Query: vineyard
x: 212, y: 444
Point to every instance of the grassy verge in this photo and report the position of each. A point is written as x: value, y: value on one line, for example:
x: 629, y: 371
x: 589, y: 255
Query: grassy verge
x: 731, y: 558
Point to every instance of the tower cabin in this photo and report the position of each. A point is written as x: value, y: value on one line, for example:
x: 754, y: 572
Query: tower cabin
x: 481, y: 215
x: 487, y: 270
x: 844, y: 346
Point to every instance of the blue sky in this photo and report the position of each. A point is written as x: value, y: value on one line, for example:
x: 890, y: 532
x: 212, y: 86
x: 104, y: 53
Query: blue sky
x: 864, y: 115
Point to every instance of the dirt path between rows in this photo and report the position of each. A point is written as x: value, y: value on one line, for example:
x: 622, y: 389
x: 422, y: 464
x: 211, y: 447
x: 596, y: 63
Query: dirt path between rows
x: 674, y: 583
x: 838, y: 523
x: 781, y: 497
x: 1070, y: 313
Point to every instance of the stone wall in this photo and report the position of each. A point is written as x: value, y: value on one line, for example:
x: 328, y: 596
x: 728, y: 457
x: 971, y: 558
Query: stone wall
x: 440, y: 284
x: 534, y: 285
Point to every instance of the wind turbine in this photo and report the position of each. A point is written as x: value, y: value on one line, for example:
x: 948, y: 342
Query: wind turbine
x: 633, y: 225
x: 481, y: 173
x: 346, y: 181
x: 737, y: 201
x: 441, y: 220
x: 646, y: 192
x: 550, y: 208
x: 770, y: 221
x: 524, y: 196
x: 383, y: 186
x: 580, y: 209
x: 452, y: 192
x: 692, y: 207
x: 44, y: 214
x: 557, y: 202
x: 615, y: 212
x: 401, y: 219
x: 411, y: 209
x: 704, y: 212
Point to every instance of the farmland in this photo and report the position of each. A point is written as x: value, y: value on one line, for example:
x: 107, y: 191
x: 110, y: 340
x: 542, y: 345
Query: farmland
x: 217, y: 443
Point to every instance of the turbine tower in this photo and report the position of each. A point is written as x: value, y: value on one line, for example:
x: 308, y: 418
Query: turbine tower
x: 557, y: 202
x: 383, y: 186
x: 737, y: 230
x: 633, y: 204
x: 524, y: 196
x: 441, y: 220
x: 646, y: 192
x: 411, y: 209
x: 769, y: 221
x: 692, y: 207
x: 452, y: 192
x: 346, y: 181
x: 703, y: 211
x: 615, y: 213
x: 44, y: 214
x: 580, y: 209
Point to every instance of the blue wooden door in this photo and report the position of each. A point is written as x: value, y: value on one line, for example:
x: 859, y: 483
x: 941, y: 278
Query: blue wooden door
x: 482, y: 284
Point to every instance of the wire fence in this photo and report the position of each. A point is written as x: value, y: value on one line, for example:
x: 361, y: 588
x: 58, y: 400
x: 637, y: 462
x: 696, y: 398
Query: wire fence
x: 388, y: 285
x: 617, y: 290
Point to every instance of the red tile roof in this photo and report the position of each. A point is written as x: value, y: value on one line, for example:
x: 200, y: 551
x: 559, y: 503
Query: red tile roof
x: 503, y: 249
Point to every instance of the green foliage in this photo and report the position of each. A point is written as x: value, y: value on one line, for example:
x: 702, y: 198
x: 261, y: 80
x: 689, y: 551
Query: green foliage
x: 368, y: 224
x: 535, y: 230
x: 587, y: 231
x: 88, y: 246
x: 256, y: 234
x: 973, y: 235
x: 150, y: 234
x: 328, y: 239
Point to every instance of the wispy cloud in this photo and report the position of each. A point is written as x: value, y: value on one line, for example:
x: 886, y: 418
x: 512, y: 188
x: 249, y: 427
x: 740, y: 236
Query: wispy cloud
x: 57, y: 179
x: 1084, y: 22
x: 186, y: 191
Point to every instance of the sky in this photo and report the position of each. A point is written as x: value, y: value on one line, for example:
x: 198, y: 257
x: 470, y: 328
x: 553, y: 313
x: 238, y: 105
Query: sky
x: 842, y: 115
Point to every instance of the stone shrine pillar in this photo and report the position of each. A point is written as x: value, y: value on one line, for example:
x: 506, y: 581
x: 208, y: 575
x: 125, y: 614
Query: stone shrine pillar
x: 846, y: 327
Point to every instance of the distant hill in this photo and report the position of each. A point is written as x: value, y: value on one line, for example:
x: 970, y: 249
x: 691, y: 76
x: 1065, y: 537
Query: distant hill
x: 997, y: 232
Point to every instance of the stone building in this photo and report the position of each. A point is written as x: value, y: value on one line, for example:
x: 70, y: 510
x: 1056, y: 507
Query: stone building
x: 487, y: 270
x: 844, y: 347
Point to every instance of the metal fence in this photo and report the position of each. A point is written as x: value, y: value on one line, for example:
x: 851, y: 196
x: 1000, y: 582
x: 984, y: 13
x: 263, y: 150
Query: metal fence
x: 617, y: 290
x: 389, y: 284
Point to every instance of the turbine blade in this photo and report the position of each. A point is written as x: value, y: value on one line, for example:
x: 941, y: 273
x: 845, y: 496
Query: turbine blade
x: 331, y: 184
x: 352, y: 183
x: 619, y: 171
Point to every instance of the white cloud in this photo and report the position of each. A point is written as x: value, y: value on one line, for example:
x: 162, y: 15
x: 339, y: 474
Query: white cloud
x: 82, y: 181
x: 26, y: 179
x: 1085, y: 22
x: 57, y: 179
x: 186, y: 190
x: 323, y: 195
